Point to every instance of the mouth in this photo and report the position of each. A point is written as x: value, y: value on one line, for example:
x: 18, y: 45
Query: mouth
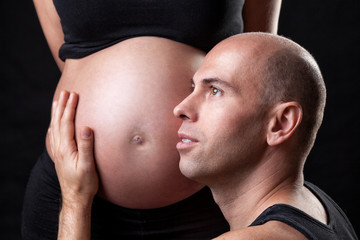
x: 185, y: 141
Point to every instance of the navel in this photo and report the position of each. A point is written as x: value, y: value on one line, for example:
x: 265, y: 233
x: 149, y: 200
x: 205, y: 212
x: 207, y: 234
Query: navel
x: 137, y: 139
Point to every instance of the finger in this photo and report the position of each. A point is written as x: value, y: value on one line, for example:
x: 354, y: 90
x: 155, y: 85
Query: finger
x: 51, y: 127
x: 67, y: 120
x: 53, y: 109
x: 56, y: 121
x: 69, y: 112
x: 86, y: 148
x: 60, y: 106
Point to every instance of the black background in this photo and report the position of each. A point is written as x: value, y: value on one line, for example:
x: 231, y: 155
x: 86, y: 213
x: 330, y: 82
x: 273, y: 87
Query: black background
x: 329, y: 29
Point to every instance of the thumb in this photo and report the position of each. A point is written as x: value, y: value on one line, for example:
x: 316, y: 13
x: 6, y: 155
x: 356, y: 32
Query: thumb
x: 86, y: 144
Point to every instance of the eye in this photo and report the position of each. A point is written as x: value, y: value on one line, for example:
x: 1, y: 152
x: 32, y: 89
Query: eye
x: 215, y: 91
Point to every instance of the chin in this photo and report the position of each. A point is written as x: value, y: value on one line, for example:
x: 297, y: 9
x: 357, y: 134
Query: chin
x: 191, y: 170
x: 187, y: 168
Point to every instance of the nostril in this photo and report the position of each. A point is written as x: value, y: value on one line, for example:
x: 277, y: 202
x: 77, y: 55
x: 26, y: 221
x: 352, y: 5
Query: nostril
x: 183, y: 116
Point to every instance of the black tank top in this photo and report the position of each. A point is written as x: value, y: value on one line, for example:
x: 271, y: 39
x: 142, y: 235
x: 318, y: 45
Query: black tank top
x: 339, y: 226
x: 92, y: 25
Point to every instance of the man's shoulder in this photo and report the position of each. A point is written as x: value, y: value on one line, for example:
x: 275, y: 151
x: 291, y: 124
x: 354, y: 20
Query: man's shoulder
x: 270, y: 230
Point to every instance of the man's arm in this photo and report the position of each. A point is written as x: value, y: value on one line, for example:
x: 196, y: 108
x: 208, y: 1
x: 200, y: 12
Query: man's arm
x: 272, y: 230
x: 74, y: 222
x: 75, y: 168
x: 261, y: 15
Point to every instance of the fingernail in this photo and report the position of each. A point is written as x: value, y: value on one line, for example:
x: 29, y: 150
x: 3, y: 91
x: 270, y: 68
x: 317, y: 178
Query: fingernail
x: 54, y: 104
x: 85, y: 133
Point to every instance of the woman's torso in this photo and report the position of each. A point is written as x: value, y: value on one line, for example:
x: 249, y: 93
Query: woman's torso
x: 129, y: 84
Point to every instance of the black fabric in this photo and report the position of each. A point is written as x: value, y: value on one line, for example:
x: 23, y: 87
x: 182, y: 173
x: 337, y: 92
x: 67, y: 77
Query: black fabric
x: 197, y: 217
x: 339, y: 227
x: 92, y: 25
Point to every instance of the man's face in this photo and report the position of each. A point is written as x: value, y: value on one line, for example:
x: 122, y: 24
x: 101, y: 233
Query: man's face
x: 223, y: 128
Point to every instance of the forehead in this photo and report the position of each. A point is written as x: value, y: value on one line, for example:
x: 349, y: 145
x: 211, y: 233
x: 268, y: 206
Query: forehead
x: 236, y: 67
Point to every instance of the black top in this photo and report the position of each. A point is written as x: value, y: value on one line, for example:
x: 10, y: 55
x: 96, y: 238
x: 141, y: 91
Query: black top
x: 91, y: 25
x: 339, y: 226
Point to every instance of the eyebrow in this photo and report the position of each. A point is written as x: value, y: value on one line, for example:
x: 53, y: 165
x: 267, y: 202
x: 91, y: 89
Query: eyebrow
x: 209, y: 81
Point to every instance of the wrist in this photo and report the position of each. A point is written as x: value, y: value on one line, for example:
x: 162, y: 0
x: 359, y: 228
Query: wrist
x: 75, y: 220
x: 77, y: 204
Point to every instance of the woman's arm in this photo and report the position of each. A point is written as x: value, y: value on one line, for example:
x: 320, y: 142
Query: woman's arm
x: 75, y: 168
x: 261, y: 15
x: 50, y: 23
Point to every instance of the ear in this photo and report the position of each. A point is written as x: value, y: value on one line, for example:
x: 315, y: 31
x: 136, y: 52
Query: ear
x: 284, y: 120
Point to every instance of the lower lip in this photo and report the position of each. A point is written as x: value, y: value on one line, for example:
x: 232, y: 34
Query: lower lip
x: 183, y: 145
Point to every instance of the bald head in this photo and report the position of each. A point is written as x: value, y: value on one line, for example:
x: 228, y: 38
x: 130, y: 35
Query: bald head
x: 285, y: 72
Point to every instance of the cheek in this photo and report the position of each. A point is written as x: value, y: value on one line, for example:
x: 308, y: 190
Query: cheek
x: 222, y: 139
x: 235, y: 135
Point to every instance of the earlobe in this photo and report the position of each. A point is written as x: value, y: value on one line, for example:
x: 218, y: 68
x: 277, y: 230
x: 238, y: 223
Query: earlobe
x: 283, y: 123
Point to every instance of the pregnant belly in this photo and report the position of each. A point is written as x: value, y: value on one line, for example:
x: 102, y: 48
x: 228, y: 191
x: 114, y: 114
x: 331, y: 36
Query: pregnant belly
x: 127, y: 95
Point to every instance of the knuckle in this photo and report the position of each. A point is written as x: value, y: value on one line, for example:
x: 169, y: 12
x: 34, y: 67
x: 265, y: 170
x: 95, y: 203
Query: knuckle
x: 63, y: 120
x: 85, y: 146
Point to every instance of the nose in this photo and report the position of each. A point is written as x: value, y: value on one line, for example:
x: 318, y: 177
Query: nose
x: 186, y: 110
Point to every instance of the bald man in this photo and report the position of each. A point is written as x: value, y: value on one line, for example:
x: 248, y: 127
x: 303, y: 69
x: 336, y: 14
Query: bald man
x: 248, y: 126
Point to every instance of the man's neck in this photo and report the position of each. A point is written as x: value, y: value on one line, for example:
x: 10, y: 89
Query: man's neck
x: 245, y: 198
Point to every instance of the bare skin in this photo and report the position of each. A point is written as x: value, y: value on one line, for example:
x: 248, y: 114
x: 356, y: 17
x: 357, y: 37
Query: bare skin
x: 270, y: 231
x: 123, y: 98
